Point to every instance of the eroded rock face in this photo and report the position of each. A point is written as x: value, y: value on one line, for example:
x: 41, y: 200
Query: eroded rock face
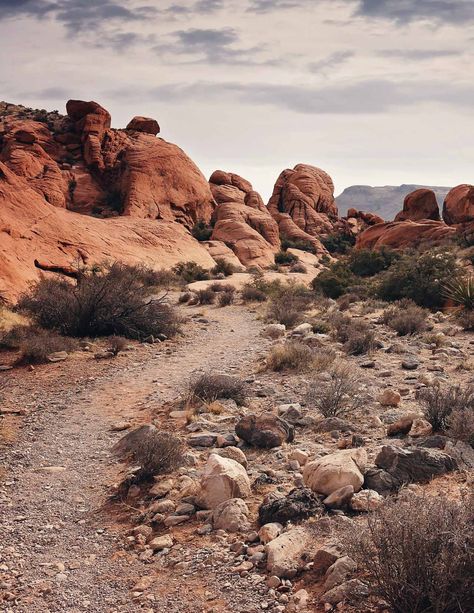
x: 420, y: 204
x: 35, y: 235
x: 405, y: 234
x: 459, y: 205
x: 242, y: 221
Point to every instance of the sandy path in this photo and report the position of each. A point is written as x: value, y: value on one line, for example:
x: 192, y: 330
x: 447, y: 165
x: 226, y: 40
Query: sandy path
x: 57, y: 551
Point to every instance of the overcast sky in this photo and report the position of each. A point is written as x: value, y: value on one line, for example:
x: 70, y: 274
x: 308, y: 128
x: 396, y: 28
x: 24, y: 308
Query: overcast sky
x: 374, y: 91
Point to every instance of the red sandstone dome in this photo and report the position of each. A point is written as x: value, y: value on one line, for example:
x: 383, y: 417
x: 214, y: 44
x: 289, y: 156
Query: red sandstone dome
x: 420, y: 204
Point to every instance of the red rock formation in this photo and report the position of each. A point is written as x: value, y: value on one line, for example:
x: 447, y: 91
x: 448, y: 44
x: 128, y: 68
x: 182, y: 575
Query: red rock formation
x: 144, y: 124
x: 405, y: 234
x: 290, y: 231
x: 36, y: 236
x: 242, y: 221
x: 459, y: 205
x: 306, y: 194
x: 420, y: 204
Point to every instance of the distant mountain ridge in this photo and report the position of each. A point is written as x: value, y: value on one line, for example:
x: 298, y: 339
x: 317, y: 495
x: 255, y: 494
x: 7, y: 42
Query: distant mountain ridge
x: 385, y: 201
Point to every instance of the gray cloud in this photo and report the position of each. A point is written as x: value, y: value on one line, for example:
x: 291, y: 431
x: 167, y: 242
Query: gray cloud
x: 419, y: 54
x: 331, y: 61
x: 365, y: 97
x: 77, y: 15
x: 404, y: 11
x: 203, y: 7
x: 213, y: 46
x: 267, y: 6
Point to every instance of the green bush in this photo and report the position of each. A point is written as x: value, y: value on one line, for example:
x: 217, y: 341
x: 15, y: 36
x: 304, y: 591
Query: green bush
x: 112, y: 300
x: 285, y: 257
x: 223, y: 267
x: 367, y: 263
x: 302, y: 245
x: 406, y: 318
x: 201, y: 231
x: 421, y: 277
x: 335, y: 280
x: 190, y: 272
x: 339, y: 243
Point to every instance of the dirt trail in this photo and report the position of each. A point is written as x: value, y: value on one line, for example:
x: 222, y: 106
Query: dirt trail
x: 57, y: 551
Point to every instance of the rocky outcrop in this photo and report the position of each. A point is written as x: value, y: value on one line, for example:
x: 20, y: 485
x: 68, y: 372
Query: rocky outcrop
x: 242, y: 221
x: 420, y: 204
x: 36, y: 236
x: 458, y: 207
x: 306, y: 194
x: 405, y: 234
x: 144, y: 124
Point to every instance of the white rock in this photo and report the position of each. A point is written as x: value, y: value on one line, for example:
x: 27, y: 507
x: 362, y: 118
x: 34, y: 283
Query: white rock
x: 285, y: 554
x: 222, y: 479
x: 366, y: 500
x: 269, y: 532
x: 336, y: 470
x: 231, y: 515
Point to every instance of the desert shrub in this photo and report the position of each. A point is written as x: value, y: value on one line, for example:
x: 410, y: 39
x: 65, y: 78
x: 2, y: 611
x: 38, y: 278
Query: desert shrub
x: 460, y: 425
x: 290, y: 356
x: 301, y: 244
x: 36, y: 345
x: 418, y: 553
x: 335, y: 280
x: 116, y: 344
x: 103, y: 302
x: 226, y: 298
x: 288, y: 304
x: 298, y: 267
x: 367, y: 263
x: 338, y: 395
x: 223, y: 267
x: 320, y: 326
x: 339, y: 243
x: 285, y: 257
x: 190, y: 272
x: 323, y: 359
x: 361, y: 340
x: 421, y: 277
x: 344, y: 302
x: 250, y: 293
x: 438, y: 403
x: 184, y: 298
x: 151, y: 452
x: 221, y: 287
x: 205, y: 296
x: 209, y: 387
x: 466, y: 320
x: 405, y: 317
x: 201, y: 231
x: 461, y: 292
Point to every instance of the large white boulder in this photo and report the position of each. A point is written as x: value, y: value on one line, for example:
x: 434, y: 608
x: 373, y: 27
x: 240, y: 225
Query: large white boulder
x: 221, y: 480
x: 336, y: 470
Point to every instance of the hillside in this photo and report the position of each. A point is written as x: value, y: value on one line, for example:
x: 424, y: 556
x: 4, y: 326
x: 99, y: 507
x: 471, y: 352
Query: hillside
x: 385, y: 201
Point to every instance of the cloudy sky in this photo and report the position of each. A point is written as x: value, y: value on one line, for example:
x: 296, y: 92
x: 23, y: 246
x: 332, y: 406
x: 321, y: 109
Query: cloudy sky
x: 374, y: 91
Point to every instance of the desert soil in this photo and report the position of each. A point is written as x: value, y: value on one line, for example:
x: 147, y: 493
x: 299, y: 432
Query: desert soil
x: 61, y: 549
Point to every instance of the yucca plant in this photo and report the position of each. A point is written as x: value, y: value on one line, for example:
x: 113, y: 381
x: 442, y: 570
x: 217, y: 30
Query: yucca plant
x: 461, y: 292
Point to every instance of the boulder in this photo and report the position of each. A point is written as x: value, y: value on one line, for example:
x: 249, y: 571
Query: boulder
x: 286, y: 555
x: 420, y: 427
x: 233, y: 453
x: 266, y: 430
x: 221, y: 480
x: 336, y: 470
x: 339, y: 572
x: 231, y: 515
x: 401, y: 426
x: 390, y: 398
x: 413, y: 464
x: 306, y: 193
x: 144, y: 124
x: 418, y: 205
x: 339, y: 499
x: 366, y: 500
x: 299, y: 504
x: 269, y: 532
x: 458, y: 205
x: 351, y: 591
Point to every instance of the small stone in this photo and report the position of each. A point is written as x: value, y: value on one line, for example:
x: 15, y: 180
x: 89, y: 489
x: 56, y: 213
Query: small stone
x: 269, y: 532
x: 410, y: 364
x: 161, y: 542
x: 390, y: 398
x: 366, y: 500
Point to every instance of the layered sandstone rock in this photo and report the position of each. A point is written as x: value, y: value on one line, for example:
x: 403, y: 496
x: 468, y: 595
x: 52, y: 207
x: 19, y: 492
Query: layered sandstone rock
x: 36, y: 236
x: 306, y: 194
x: 420, y: 204
x: 405, y: 234
x: 458, y: 206
x: 242, y: 221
